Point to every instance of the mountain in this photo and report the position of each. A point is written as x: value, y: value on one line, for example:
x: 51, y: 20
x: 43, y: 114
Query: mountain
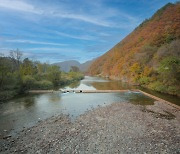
x: 85, y: 66
x: 149, y: 56
x: 66, y: 65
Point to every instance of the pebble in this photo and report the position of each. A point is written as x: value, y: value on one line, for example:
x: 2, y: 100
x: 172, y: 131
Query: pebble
x: 125, y: 129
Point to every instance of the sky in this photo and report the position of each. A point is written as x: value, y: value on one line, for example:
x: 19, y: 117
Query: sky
x: 58, y: 30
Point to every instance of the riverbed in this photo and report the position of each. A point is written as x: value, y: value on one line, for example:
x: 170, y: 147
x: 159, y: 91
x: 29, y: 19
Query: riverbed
x: 28, y: 116
x: 115, y: 128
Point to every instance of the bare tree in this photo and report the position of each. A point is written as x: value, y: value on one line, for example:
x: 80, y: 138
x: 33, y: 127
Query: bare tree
x: 16, y: 56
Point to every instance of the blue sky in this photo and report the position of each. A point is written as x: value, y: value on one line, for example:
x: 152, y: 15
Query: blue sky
x: 57, y: 30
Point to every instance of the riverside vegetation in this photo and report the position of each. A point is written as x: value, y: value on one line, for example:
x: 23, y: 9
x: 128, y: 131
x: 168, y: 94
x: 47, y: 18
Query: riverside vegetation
x: 149, y: 56
x: 18, y: 76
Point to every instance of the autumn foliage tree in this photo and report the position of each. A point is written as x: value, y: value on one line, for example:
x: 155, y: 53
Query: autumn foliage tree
x: 139, y: 56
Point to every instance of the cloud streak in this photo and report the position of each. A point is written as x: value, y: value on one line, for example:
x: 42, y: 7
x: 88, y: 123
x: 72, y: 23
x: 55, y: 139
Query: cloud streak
x: 86, y: 18
x: 81, y: 37
x: 18, y: 5
x: 34, y: 42
x: 22, y: 6
x: 62, y: 12
x: 49, y: 49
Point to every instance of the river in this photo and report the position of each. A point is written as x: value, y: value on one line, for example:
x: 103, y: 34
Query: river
x: 28, y: 110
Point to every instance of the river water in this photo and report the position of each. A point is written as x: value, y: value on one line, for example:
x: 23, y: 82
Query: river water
x: 27, y: 110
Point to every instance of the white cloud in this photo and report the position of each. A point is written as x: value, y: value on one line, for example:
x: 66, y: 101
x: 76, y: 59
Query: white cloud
x: 34, y: 42
x: 48, y: 49
x: 94, y: 17
x: 81, y: 37
x: 19, y: 5
x: 86, y: 18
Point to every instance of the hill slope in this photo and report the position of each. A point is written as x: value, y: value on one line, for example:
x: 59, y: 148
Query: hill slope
x: 149, y: 56
x: 85, y: 66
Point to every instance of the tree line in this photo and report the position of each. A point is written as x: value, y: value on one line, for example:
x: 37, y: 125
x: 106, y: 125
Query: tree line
x: 18, y: 75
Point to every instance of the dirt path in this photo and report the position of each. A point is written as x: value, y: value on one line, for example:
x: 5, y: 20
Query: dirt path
x: 117, y: 128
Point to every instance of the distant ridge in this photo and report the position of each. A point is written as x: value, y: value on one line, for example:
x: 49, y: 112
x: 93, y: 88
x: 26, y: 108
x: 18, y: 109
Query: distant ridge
x: 85, y: 66
x: 66, y: 65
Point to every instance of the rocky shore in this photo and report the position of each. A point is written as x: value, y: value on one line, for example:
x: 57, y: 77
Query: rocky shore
x: 117, y: 128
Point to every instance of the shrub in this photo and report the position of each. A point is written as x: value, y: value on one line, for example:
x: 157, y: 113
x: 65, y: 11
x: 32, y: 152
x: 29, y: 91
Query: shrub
x: 28, y: 82
x: 44, y: 85
x: 173, y: 90
x: 158, y: 86
x: 170, y: 70
x: 144, y: 80
x: 7, y: 94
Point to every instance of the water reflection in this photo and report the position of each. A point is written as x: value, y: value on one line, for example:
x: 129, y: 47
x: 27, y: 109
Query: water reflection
x: 28, y: 101
x: 137, y: 98
x: 113, y: 85
x: 170, y: 98
x: 55, y: 97
x: 85, y: 84
x: 95, y: 83
x: 74, y: 85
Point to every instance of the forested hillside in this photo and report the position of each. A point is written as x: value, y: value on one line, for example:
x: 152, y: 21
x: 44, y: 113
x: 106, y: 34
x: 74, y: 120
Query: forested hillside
x: 149, y: 56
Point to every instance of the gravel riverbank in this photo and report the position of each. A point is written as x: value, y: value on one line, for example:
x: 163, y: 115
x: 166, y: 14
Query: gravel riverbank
x: 117, y: 128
